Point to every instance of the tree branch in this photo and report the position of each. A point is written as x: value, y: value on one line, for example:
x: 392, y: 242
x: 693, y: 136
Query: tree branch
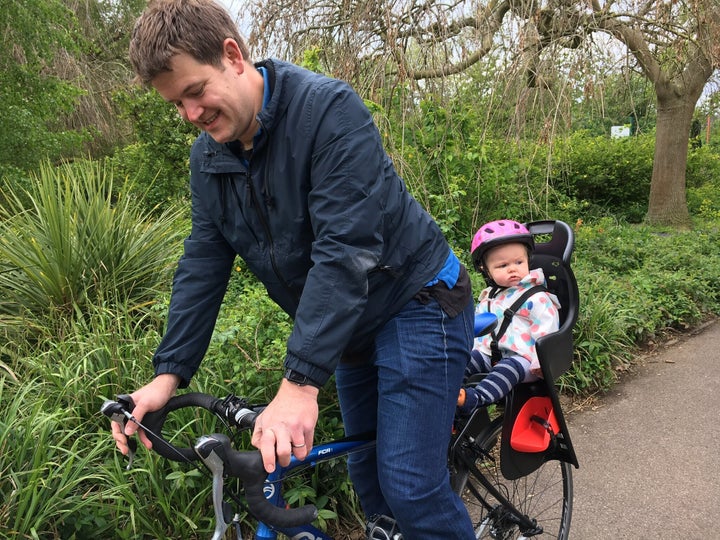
x: 488, y: 22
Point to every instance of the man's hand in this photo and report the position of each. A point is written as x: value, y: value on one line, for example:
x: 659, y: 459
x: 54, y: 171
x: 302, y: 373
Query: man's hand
x: 151, y: 397
x: 287, y: 425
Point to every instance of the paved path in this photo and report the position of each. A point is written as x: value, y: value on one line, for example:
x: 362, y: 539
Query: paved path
x: 649, y: 451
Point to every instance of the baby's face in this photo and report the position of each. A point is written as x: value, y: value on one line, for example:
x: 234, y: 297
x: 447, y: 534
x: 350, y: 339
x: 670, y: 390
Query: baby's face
x: 507, y: 264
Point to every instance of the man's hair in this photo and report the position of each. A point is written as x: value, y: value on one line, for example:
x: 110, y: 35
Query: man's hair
x: 170, y: 27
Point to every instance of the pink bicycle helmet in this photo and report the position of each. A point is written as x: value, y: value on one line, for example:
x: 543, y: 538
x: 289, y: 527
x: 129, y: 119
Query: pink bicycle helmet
x: 496, y: 233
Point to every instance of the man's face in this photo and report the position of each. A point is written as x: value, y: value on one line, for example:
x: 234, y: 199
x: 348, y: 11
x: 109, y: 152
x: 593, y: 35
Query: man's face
x: 507, y: 264
x: 220, y: 100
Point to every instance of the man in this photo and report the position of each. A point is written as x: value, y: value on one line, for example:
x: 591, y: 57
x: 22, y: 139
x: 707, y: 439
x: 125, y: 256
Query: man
x: 290, y: 173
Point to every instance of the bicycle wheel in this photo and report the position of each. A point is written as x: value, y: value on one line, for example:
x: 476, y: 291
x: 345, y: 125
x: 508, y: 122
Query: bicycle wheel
x: 544, y: 496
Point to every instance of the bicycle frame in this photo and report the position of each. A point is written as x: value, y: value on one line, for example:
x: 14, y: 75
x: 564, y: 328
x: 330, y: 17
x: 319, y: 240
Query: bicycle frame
x: 319, y: 454
x: 341, y: 448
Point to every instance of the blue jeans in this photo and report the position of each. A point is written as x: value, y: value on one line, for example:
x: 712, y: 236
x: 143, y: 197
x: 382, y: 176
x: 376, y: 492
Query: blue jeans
x: 408, y: 393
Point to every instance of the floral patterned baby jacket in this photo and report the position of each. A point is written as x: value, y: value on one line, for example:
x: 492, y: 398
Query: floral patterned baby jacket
x: 537, y: 317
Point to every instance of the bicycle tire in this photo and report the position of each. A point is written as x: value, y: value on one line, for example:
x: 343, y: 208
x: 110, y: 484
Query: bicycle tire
x: 545, y: 495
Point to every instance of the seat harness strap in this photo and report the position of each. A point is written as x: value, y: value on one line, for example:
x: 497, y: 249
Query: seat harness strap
x: 507, y: 318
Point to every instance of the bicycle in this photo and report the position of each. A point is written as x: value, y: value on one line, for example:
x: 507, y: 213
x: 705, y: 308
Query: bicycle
x: 263, y: 494
x: 513, y: 487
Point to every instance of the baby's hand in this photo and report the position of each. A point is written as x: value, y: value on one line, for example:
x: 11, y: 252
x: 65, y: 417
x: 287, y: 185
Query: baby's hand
x: 467, y: 401
x: 461, y: 398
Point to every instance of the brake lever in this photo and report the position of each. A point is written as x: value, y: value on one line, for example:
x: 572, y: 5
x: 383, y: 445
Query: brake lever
x: 118, y: 411
x: 205, y: 448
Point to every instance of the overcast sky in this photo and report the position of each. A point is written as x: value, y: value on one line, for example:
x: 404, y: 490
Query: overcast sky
x: 235, y: 8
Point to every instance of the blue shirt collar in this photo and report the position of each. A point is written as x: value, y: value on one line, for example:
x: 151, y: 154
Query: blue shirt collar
x: 266, y: 95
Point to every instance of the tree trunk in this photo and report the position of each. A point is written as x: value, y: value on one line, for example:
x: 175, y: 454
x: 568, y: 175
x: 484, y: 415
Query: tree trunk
x: 668, y: 203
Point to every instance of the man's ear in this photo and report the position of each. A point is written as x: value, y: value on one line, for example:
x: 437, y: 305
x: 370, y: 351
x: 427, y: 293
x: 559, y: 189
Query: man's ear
x: 231, y: 51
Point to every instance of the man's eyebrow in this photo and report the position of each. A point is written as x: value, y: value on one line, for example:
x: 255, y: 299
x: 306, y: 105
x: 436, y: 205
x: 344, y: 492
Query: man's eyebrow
x: 185, y: 91
x: 190, y: 87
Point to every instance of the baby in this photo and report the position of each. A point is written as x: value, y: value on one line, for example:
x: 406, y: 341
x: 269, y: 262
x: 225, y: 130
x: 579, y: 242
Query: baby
x: 501, y: 250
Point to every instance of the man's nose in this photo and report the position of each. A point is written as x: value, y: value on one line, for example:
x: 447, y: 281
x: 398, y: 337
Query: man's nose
x: 193, y: 111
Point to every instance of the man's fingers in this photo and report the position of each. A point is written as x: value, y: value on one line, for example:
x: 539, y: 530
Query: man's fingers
x: 267, y: 442
x: 147, y: 443
x: 301, y: 451
x: 120, y: 438
x: 121, y: 435
x: 301, y: 443
x: 277, y: 446
x: 286, y: 426
x: 151, y: 397
x: 138, y: 413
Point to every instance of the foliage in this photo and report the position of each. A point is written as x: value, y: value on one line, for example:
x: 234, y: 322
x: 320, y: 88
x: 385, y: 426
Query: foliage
x: 99, y: 67
x: 602, y: 338
x: 158, y: 162
x: 78, y: 243
x: 703, y: 179
x: 465, y: 177
x: 36, y: 35
x: 18, y: 178
x: 612, y: 99
x: 64, y: 480
x: 249, y: 338
x: 612, y: 175
x: 61, y: 479
x: 636, y: 283
x: 49, y: 473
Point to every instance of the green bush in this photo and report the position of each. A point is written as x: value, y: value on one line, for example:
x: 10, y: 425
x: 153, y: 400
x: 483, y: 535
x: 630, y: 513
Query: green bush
x: 703, y: 183
x: 63, y: 478
x: 49, y: 472
x: 79, y: 243
x: 636, y: 283
x: 613, y: 175
x: 157, y: 163
x: 464, y: 177
x: 37, y: 103
x: 603, y: 334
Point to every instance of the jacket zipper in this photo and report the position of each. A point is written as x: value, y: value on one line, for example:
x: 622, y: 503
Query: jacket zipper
x: 266, y: 228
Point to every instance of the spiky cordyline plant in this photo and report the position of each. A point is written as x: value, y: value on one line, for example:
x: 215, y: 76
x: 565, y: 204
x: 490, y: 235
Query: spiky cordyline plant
x: 73, y: 238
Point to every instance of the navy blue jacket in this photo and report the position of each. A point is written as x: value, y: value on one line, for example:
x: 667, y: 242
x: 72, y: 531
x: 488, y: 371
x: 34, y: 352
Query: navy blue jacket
x: 318, y: 214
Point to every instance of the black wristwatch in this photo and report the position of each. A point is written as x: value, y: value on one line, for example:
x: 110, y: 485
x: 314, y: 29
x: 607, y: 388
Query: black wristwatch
x: 300, y: 379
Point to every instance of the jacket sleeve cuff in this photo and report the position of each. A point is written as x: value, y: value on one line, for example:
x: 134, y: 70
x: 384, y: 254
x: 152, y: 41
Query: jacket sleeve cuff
x: 316, y: 374
x: 181, y: 371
